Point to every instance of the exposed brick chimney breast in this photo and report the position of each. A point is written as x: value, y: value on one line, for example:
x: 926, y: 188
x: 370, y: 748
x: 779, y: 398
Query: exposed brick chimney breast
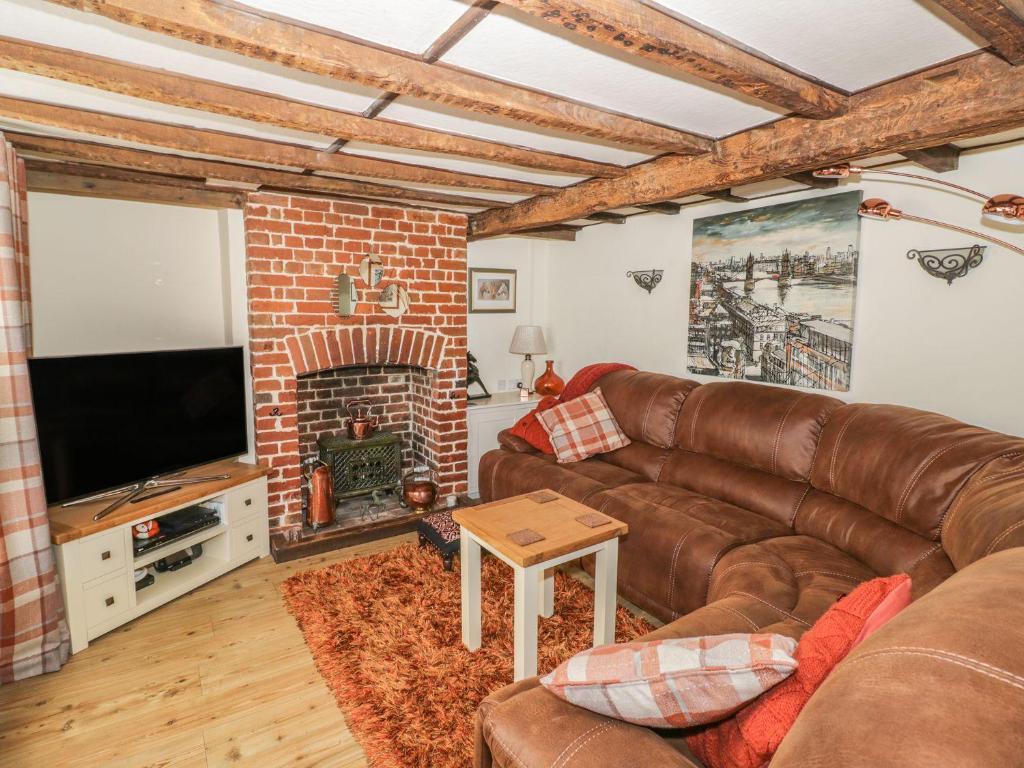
x: 296, y: 247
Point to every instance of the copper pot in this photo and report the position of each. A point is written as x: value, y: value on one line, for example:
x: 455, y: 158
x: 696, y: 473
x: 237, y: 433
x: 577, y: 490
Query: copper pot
x: 361, y: 424
x: 320, y: 511
x: 419, y: 489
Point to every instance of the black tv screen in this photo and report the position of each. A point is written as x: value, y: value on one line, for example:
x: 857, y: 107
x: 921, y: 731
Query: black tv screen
x: 106, y: 421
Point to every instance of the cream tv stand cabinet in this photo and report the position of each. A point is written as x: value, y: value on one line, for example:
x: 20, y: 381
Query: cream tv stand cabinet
x: 485, y: 418
x: 96, y: 561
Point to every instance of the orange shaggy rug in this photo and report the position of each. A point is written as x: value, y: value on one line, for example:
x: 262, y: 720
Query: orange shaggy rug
x: 385, y: 633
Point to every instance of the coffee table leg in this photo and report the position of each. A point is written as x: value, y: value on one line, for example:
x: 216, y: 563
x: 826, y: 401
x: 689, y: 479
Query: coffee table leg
x: 526, y: 603
x: 547, y: 593
x: 605, y: 568
x: 470, y: 565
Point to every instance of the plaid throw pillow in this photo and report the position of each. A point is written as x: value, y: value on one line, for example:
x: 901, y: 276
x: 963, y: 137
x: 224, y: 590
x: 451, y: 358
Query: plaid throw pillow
x: 674, y: 683
x: 582, y: 428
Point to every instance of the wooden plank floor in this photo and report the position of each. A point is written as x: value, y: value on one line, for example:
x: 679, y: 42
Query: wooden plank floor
x: 219, y: 677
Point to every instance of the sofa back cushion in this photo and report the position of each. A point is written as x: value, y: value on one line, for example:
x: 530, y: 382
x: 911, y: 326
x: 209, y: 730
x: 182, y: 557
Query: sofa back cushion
x: 905, y: 465
x: 772, y: 429
x: 646, y: 405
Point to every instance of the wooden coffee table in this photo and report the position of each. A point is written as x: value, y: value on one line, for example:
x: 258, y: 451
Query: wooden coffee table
x: 555, y: 518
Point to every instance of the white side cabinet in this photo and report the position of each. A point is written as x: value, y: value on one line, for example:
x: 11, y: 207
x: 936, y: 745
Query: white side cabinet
x: 485, y: 419
x: 97, y: 568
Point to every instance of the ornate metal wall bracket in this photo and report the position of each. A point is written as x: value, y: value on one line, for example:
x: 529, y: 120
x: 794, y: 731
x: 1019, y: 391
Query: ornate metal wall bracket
x: 647, y: 279
x: 949, y: 263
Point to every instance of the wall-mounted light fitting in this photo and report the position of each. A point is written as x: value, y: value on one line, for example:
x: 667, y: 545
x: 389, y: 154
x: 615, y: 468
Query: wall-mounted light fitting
x: 1005, y: 207
x: 876, y: 208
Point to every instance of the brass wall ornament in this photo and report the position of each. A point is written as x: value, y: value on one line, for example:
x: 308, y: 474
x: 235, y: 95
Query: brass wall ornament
x: 647, y: 279
x: 949, y: 263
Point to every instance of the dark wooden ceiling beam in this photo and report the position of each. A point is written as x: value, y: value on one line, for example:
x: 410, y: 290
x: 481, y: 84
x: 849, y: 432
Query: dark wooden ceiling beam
x: 183, y: 138
x: 810, y: 180
x: 667, y: 209
x: 975, y: 96
x: 1000, y: 22
x: 940, y: 159
x: 725, y: 195
x: 245, y: 31
x: 194, y: 93
x: 462, y: 27
x: 88, y: 181
x: 607, y: 217
x: 174, y: 165
x: 636, y: 29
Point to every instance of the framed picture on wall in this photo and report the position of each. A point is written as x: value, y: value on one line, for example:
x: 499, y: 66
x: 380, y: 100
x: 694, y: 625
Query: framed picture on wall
x: 492, y: 290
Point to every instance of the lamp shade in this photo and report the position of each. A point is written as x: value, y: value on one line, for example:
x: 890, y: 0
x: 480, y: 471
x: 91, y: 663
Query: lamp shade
x: 528, y: 340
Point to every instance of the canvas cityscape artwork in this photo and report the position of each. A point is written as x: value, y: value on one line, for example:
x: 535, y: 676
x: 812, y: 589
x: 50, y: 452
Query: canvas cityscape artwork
x: 772, y: 293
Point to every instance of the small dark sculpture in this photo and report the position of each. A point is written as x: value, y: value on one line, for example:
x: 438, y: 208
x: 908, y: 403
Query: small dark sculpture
x: 473, y: 377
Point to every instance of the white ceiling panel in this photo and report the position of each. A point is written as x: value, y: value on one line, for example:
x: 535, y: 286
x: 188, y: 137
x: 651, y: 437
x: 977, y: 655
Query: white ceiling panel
x: 442, y: 118
x: 44, y: 22
x: 22, y: 86
x: 533, y: 53
x: 770, y: 187
x: 410, y: 25
x: 851, y: 44
x: 453, y: 163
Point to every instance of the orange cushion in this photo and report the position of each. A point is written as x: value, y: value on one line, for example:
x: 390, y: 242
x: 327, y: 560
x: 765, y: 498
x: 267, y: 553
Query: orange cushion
x: 529, y: 427
x: 752, y: 735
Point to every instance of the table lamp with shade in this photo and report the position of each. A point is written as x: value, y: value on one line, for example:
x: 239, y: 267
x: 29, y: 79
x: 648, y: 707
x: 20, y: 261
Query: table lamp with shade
x: 528, y: 341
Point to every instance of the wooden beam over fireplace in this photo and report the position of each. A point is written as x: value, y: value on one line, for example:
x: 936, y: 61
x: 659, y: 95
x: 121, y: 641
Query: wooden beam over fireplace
x: 194, y: 168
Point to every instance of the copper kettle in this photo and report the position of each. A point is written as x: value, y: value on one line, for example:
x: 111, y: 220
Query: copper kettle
x: 361, y: 424
x: 320, y: 504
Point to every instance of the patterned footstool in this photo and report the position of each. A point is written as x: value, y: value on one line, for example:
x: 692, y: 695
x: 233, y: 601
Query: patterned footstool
x: 442, y: 532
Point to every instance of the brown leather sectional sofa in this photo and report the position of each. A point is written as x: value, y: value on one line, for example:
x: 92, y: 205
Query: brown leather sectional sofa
x: 753, y: 508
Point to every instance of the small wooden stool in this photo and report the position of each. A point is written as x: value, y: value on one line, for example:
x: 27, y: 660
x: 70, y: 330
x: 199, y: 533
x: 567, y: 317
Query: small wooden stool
x: 439, y: 530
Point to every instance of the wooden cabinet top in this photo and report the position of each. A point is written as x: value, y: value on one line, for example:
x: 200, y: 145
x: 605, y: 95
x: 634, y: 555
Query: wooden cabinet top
x: 70, y: 523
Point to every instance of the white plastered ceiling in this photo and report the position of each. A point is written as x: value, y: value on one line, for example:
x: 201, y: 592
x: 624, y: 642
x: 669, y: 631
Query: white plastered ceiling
x: 846, y: 44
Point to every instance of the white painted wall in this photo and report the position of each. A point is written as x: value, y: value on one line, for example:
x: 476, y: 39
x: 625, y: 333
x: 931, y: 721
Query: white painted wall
x: 491, y: 333
x: 119, y: 276
x: 953, y: 349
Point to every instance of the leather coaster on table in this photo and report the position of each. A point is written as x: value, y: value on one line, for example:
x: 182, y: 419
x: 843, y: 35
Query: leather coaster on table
x: 542, y: 497
x: 593, y: 520
x: 524, y: 537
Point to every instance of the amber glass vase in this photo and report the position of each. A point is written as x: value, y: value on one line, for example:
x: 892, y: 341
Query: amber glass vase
x: 549, y: 382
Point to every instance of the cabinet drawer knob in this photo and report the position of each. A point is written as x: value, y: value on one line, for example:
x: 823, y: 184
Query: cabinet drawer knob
x: 109, y: 601
x: 105, y: 555
x: 249, y: 537
x: 248, y: 502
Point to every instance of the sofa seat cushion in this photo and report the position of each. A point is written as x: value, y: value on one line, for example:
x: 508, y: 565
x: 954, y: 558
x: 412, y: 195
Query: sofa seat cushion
x: 527, y: 726
x: 788, y: 582
x: 675, y: 538
x: 505, y: 473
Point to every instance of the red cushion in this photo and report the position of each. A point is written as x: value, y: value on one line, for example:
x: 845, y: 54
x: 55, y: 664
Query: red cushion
x: 749, y: 738
x: 529, y: 427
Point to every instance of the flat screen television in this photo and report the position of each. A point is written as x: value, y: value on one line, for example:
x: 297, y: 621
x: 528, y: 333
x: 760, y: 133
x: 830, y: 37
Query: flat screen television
x: 105, y: 421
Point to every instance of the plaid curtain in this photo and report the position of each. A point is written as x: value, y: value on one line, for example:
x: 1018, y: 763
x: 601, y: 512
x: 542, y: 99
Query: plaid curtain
x: 33, y: 633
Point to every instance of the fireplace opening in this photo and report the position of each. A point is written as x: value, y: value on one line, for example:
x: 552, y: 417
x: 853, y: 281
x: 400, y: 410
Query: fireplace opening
x: 366, y: 474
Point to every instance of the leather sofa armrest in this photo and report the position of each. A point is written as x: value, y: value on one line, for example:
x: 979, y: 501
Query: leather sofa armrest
x: 513, y: 443
x: 525, y: 726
